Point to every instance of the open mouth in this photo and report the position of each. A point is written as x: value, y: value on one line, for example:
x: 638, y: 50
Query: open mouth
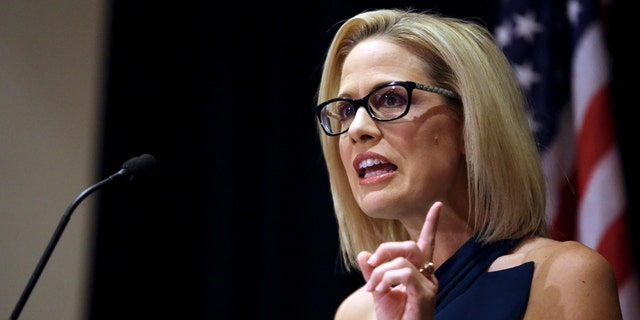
x: 374, y: 167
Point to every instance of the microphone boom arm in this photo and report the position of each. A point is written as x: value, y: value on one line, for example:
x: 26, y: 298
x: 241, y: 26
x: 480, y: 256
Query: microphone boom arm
x: 142, y: 164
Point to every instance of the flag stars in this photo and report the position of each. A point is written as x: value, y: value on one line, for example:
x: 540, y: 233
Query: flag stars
x: 503, y: 34
x: 526, y: 76
x: 573, y: 11
x: 526, y: 26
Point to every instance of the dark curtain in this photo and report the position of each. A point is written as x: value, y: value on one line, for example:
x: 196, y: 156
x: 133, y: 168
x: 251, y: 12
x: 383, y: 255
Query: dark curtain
x: 236, y: 221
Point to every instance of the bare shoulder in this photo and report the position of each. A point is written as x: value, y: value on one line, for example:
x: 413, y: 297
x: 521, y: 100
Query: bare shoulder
x: 552, y: 255
x: 570, y: 281
x: 358, y: 305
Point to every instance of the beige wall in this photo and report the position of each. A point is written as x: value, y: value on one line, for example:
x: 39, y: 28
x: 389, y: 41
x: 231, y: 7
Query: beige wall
x: 50, y: 81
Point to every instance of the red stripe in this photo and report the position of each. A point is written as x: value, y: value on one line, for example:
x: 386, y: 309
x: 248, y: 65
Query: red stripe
x: 615, y: 246
x: 595, y: 137
x: 565, y: 224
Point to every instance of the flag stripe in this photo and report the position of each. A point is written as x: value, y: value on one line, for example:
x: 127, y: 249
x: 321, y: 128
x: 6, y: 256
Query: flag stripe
x: 629, y: 297
x: 613, y: 247
x: 589, y: 68
x: 604, y: 185
x: 558, y: 161
x: 595, y: 137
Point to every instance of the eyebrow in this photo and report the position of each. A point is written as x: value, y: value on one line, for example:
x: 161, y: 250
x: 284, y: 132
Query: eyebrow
x: 375, y: 86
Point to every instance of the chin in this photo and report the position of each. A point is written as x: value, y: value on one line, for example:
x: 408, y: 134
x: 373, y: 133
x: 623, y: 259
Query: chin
x: 380, y: 212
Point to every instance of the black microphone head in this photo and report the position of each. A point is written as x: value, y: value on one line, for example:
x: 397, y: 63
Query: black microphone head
x: 139, y: 167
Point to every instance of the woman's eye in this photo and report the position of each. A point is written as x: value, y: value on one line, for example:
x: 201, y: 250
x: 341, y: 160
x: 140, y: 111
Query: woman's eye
x: 346, y: 111
x: 390, y: 99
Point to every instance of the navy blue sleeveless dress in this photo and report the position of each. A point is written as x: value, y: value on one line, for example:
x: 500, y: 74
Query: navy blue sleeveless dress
x: 467, y: 291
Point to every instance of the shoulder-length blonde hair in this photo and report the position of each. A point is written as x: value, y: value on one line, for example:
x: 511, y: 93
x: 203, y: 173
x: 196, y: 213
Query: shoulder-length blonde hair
x: 505, y: 180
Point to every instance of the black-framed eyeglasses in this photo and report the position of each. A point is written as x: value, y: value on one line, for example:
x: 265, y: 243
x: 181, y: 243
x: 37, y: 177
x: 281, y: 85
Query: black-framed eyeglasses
x: 387, y: 102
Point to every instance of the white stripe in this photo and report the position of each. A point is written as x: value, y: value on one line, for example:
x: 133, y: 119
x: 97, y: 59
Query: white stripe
x: 629, y: 297
x: 602, y: 201
x: 590, y: 71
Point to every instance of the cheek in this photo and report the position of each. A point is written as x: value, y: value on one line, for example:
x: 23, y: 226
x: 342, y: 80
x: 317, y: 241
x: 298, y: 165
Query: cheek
x: 439, y: 143
x: 345, y: 155
x: 445, y: 132
x: 437, y: 162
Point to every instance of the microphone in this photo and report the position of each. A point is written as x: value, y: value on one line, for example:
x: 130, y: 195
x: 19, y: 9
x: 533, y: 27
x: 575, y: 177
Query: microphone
x: 136, y: 168
x: 133, y: 169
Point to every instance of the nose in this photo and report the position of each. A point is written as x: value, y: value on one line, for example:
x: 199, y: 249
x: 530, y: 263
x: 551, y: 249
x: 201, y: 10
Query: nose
x: 363, y: 125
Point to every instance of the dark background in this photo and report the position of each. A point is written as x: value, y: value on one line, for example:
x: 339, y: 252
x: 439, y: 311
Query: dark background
x: 236, y: 221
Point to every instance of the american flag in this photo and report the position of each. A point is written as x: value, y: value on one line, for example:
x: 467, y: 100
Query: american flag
x: 559, y: 52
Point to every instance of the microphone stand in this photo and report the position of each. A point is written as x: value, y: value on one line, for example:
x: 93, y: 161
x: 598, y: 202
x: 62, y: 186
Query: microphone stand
x: 52, y: 244
x: 133, y: 169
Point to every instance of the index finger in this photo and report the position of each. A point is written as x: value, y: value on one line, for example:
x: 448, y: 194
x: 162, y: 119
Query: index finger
x: 427, y: 239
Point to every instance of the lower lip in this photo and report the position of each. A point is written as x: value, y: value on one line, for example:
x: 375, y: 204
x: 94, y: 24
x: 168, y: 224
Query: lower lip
x: 376, y: 179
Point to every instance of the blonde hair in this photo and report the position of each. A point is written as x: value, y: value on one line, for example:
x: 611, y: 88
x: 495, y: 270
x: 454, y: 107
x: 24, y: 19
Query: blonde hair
x: 505, y: 180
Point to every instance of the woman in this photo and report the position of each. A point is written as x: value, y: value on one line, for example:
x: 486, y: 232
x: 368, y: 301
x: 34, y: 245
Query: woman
x: 439, y: 171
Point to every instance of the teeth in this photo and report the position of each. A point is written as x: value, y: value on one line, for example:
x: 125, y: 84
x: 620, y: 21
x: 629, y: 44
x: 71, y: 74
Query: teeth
x: 374, y: 173
x: 369, y: 162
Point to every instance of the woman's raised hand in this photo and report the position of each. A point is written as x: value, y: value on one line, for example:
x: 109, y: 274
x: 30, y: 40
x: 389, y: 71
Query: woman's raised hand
x: 393, y: 274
